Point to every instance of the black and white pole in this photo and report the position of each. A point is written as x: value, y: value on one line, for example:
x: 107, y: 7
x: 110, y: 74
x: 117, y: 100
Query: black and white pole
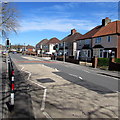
x: 12, y: 88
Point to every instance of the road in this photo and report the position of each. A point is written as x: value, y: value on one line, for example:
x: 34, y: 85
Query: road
x: 91, y: 75
x: 63, y: 90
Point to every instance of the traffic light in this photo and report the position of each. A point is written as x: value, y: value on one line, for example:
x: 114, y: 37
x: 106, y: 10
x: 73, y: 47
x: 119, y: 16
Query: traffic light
x: 8, y: 42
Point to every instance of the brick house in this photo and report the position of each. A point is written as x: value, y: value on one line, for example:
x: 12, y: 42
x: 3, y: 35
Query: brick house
x: 41, y: 46
x: 67, y: 43
x: 107, y: 39
x: 30, y: 48
x: 84, y: 45
x: 100, y: 41
x: 50, y: 45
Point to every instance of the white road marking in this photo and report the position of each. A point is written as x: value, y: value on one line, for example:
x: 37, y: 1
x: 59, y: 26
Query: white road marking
x: 44, y: 96
x: 81, y: 78
x: 76, y: 76
x: 43, y: 101
x: 56, y: 69
x: 47, y: 115
x: 73, y: 75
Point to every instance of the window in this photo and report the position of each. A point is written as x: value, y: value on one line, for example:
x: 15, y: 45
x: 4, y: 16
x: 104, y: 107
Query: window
x: 98, y: 40
x: 87, y: 41
x: 109, y: 38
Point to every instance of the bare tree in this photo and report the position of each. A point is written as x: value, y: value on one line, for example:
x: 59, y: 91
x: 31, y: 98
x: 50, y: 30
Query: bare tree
x: 9, y: 19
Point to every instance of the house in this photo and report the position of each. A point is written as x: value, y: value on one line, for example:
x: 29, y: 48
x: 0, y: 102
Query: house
x: 67, y: 43
x: 107, y: 40
x: 84, y: 45
x: 30, y: 48
x: 100, y: 41
x: 41, y: 46
x: 50, y: 45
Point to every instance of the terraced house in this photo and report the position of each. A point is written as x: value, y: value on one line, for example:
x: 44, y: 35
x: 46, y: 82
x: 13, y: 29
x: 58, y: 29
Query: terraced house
x: 101, y: 41
x: 67, y: 44
x: 41, y: 46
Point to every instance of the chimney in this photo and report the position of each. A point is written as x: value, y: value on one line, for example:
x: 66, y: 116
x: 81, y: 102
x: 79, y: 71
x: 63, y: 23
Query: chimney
x: 73, y: 31
x: 106, y: 21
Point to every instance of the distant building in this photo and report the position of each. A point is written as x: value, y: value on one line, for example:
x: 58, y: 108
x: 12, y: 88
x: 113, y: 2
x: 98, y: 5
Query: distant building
x: 50, y: 45
x: 30, y: 48
x: 41, y: 46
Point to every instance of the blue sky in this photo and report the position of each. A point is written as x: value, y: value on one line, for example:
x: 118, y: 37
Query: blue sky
x: 41, y: 20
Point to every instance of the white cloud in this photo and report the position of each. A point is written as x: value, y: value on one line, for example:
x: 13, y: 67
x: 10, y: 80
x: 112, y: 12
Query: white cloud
x: 62, y: 25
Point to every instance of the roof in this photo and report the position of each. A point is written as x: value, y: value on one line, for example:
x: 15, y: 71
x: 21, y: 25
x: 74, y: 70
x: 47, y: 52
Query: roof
x: 110, y: 28
x: 53, y: 41
x: 71, y: 38
x: 89, y: 34
x: 44, y: 41
x: 29, y: 47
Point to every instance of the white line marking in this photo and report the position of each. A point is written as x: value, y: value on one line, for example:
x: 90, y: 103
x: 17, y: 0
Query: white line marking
x: 47, y: 115
x: 44, y: 96
x: 56, y: 69
x: 81, y: 78
x: 43, y: 101
x: 73, y: 75
x: 37, y: 84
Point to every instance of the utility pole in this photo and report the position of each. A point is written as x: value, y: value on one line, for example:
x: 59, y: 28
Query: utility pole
x: 64, y: 52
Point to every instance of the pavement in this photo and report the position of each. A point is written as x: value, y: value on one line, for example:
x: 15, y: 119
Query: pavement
x: 61, y: 90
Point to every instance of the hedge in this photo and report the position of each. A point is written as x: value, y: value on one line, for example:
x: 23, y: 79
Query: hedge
x: 103, y: 61
x: 117, y: 60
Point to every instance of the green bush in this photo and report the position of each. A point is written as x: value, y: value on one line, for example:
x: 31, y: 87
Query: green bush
x: 103, y: 61
x: 117, y: 60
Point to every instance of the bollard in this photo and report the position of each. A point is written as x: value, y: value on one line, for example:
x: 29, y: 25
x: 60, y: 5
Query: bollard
x: 12, y: 88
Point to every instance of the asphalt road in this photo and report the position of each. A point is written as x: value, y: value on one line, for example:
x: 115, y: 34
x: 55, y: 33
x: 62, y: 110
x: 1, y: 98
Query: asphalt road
x: 97, y: 77
x: 53, y: 89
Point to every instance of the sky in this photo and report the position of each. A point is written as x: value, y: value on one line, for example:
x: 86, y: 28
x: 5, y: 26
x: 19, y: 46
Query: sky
x: 40, y: 20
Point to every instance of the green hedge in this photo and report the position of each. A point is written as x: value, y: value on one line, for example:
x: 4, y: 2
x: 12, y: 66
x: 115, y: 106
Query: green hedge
x: 103, y: 61
x: 117, y: 60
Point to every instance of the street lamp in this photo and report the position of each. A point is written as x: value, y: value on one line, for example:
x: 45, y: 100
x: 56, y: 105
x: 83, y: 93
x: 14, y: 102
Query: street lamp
x: 64, y: 52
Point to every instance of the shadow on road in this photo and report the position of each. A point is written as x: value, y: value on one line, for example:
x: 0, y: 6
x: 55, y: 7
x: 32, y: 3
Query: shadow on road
x: 84, y: 83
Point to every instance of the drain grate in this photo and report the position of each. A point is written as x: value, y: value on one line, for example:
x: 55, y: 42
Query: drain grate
x: 46, y: 80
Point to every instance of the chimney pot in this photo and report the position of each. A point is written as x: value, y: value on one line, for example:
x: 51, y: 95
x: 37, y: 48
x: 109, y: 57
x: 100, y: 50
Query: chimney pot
x: 106, y: 21
x: 73, y: 31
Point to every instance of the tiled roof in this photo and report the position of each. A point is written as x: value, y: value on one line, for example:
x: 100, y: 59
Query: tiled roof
x: 53, y: 41
x: 71, y: 38
x: 44, y: 41
x: 90, y: 33
x: 110, y: 28
x: 29, y: 47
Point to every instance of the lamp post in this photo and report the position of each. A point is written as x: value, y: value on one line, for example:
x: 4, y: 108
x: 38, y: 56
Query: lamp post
x: 64, y: 52
x: 24, y: 48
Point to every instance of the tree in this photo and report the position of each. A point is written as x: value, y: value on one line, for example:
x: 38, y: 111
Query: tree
x: 8, y: 19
